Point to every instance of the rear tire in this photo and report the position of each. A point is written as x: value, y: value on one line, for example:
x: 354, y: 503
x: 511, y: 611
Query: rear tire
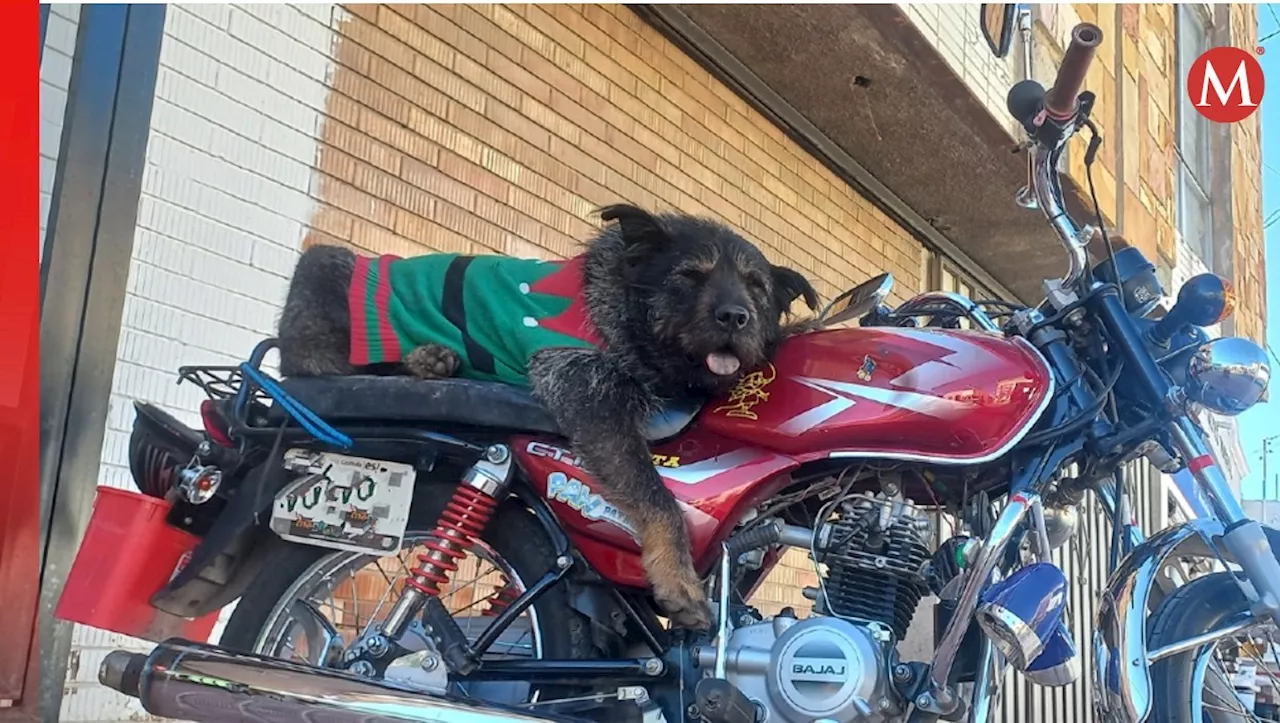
x: 513, y: 534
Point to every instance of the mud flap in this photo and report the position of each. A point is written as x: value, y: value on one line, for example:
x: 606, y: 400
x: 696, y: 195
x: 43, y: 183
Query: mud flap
x: 231, y: 554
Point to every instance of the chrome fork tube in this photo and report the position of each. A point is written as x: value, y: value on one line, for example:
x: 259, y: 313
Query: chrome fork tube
x: 1024, y: 29
x: 1027, y: 195
x: 1208, y: 474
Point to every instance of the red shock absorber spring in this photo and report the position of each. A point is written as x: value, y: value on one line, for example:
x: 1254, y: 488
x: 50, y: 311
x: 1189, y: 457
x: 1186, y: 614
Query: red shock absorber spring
x: 461, y: 522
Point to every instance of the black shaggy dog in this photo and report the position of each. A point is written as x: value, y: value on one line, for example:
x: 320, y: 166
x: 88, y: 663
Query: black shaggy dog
x: 670, y: 305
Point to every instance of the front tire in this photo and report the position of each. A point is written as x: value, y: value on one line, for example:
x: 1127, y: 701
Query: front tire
x: 1180, y: 684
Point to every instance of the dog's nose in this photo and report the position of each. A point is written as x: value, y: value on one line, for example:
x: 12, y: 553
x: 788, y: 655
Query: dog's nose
x: 732, y: 316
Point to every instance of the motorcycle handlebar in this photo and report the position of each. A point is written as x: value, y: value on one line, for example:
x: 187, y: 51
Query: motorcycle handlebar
x: 1060, y: 101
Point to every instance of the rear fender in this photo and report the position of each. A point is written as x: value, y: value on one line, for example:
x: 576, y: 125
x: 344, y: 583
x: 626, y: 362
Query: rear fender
x: 231, y: 553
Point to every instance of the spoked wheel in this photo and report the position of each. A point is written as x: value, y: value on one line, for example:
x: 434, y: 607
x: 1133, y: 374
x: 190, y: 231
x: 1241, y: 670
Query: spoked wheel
x: 1200, y: 685
x: 353, y: 592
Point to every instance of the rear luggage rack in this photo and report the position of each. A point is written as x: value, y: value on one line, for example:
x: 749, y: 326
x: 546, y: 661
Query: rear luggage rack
x: 247, y: 384
x: 221, y: 383
x: 245, y: 394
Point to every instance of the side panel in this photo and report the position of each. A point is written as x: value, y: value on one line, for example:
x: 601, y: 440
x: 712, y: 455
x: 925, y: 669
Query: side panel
x: 918, y: 394
x: 714, y: 479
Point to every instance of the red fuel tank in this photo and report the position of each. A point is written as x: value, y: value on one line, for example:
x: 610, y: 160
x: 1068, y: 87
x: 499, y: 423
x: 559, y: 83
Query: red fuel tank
x: 932, y: 395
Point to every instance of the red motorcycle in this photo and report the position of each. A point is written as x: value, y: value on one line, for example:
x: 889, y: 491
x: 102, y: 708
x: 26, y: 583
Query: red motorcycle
x: 515, y: 591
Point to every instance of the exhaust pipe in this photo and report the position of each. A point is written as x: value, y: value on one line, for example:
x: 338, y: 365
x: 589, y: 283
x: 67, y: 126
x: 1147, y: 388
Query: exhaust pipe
x: 196, y: 682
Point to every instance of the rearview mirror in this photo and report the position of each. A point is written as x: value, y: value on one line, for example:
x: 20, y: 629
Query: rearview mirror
x: 857, y: 301
x: 998, y: 21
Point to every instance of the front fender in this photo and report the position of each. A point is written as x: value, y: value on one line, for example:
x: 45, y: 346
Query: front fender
x: 1122, y: 672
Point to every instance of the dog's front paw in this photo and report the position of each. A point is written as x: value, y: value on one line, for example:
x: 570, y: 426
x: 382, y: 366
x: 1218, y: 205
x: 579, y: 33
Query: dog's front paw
x: 432, y: 361
x: 684, y: 601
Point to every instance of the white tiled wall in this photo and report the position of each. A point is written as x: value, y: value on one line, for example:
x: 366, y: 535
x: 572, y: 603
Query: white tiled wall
x: 955, y: 31
x: 222, y: 216
x: 55, y: 74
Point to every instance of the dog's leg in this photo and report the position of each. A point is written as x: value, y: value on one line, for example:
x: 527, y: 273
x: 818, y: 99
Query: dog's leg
x: 601, y: 409
x: 432, y: 361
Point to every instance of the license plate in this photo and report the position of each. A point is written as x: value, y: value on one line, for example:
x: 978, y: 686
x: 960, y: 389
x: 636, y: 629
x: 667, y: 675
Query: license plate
x: 344, y: 503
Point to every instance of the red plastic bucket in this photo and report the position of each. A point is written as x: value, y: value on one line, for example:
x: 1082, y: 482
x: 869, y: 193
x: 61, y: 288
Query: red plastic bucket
x: 129, y: 552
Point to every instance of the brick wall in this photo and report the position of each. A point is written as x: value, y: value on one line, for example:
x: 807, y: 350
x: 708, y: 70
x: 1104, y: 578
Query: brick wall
x: 1249, y: 262
x: 498, y: 129
x: 55, y: 74
x: 221, y: 219
x: 955, y: 31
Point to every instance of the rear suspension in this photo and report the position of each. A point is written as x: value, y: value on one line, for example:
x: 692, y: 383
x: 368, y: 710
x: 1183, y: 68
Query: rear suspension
x: 484, y: 486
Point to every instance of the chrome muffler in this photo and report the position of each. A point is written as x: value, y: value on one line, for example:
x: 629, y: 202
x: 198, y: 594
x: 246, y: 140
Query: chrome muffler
x: 203, y: 683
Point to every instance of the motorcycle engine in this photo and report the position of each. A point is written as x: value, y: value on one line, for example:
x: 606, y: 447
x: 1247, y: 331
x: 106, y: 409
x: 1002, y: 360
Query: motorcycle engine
x: 875, y: 551
x: 836, y: 665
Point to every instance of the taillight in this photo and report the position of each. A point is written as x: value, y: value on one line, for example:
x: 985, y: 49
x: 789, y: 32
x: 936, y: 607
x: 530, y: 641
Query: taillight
x: 214, y: 424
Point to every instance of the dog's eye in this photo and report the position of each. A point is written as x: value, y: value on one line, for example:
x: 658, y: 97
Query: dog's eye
x: 692, y: 274
x: 757, y: 283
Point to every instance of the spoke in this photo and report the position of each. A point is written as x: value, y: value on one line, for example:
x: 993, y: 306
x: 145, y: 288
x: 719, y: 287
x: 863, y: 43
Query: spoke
x: 404, y: 566
x: 517, y: 644
x: 473, y: 581
x: 381, y: 601
x: 525, y: 634
x: 1232, y: 711
x: 471, y: 605
x: 385, y: 576
x: 353, y: 581
x: 1238, y: 708
x: 301, y: 658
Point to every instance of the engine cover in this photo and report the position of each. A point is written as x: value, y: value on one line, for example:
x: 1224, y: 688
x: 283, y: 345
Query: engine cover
x: 817, y: 669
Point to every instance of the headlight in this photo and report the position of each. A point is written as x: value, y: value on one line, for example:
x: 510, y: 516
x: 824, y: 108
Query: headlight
x: 1228, y: 375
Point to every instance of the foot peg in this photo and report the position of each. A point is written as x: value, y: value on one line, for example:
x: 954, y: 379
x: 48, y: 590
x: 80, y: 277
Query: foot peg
x: 449, y: 638
x: 720, y: 701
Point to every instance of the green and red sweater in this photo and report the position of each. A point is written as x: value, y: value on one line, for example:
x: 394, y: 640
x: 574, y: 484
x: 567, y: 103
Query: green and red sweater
x: 494, y: 311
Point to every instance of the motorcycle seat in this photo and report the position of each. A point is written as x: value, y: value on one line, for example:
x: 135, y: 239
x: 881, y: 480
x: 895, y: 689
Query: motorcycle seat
x: 402, y: 400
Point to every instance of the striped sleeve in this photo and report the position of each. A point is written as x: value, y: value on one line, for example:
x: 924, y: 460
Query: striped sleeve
x: 373, y: 340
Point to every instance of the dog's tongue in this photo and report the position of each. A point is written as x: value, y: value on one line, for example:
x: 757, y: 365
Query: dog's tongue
x: 722, y: 364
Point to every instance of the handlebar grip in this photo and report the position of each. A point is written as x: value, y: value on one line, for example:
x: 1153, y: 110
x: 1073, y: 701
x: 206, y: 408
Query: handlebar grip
x: 1060, y: 101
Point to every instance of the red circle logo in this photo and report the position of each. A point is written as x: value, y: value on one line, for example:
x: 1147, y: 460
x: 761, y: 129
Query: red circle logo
x: 1225, y: 84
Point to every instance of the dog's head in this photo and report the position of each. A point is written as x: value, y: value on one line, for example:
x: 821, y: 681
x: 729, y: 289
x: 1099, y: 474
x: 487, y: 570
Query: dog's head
x: 712, y: 303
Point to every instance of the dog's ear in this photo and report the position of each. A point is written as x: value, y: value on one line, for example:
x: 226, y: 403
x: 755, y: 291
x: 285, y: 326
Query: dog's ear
x: 641, y: 232
x: 789, y: 284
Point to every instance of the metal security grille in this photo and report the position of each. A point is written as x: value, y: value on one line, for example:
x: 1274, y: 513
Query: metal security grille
x: 1084, y: 561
